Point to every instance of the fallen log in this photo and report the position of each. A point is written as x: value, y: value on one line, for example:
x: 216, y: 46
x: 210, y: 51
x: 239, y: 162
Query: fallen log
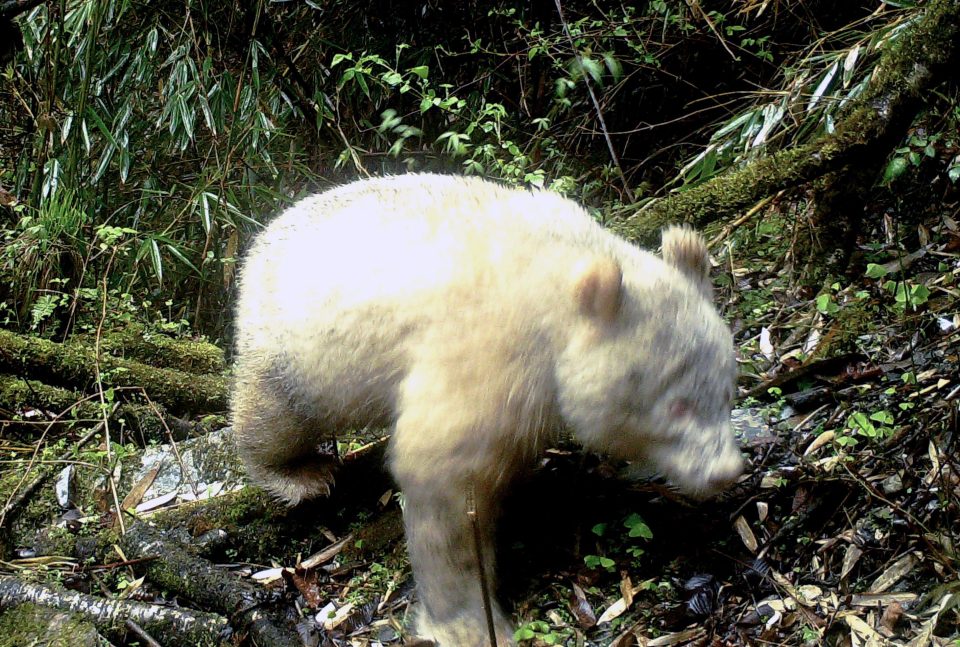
x: 76, y: 366
x: 136, y: 342
x: 182, y: 572
x: 178, y: 626
x: 28, y: 406
x: 259, y: 528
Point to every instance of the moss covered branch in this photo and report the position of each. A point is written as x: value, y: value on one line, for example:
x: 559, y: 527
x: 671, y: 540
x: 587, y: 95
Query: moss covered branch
x: 918, y: 60
x: 136, y: 342
x: 193, y: 577
x: 75, y: 366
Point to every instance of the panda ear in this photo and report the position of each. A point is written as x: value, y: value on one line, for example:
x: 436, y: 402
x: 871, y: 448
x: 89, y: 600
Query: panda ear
x: 598, y: 288
x: 686, y: 250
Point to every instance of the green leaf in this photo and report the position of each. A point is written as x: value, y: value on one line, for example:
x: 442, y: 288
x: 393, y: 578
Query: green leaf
x: 637, y: 527
x: 875, y: 271
x: 151, y: 249
x: 919, y: 294
x: 421, y: 70
x: 860, y: 423
x: 362, y: 82
x: 954, y: 172
x: 894, y: 169
x: 592, y: 67
x: 524, y: 633
x: 825, y: 305
x: 392, y: 78
x: 884, y: 417
x: 175, y: 251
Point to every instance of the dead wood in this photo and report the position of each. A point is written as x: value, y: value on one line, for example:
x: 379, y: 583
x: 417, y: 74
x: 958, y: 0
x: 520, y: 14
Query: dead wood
x: 260, y: 528
x: 44, y: 472
x: 907, y: 71
x: 136, y: 342
x: 28, y: 406
x: 182, y: 572
x: 75, y: 366
x: 177, y: 626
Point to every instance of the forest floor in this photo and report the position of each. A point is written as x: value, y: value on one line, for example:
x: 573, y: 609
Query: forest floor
x: 843, y: 531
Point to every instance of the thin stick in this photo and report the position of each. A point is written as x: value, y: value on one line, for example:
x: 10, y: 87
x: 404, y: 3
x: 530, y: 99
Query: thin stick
x: 141, y: 633
x: 484, y: 591
x: 596, y: 104
x: 18, y: 496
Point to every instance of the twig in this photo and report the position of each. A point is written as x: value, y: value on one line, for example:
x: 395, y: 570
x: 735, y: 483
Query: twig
x: 141, y: 633
x: 751, y: 212
x: 484, y: 589
x: 103, y: 401
x: 696, y: 8
x: 173, y: 444
x: 596, y: 104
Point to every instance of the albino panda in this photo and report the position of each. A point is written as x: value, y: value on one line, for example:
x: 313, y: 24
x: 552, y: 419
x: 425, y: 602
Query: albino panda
x: 476, y: 320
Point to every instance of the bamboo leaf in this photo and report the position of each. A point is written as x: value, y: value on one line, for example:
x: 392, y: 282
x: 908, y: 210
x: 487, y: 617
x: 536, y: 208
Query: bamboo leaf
x: 205, y: 218
x: 65, y: 128
x: 850, y: 64
x: 593, y: 68
x: 156, y: 261
x: 613, y: 65
x: 176, y: 253
x: 824, y: 86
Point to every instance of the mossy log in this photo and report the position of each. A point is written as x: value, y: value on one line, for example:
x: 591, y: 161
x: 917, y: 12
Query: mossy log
x: 906, y: 72
x: 260, y: 528
x: 190, y: 576
x: 18, y: 394
x: 66, y: 407
x: 76, y: 366
x: 177, y: 626
x: 136, y: 342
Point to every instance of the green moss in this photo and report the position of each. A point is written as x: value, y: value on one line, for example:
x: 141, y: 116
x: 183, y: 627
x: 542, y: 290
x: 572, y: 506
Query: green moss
x: 137, y: 342
x: 889, y: 103
x: 34, y: 512
x: 28, y: 624
x: 75, y: 365
x: 253, y: 520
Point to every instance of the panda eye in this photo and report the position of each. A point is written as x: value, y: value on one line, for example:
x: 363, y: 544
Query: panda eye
x: 681, y: 408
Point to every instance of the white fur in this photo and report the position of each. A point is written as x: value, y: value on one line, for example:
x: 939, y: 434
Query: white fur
x: 477, y: 320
